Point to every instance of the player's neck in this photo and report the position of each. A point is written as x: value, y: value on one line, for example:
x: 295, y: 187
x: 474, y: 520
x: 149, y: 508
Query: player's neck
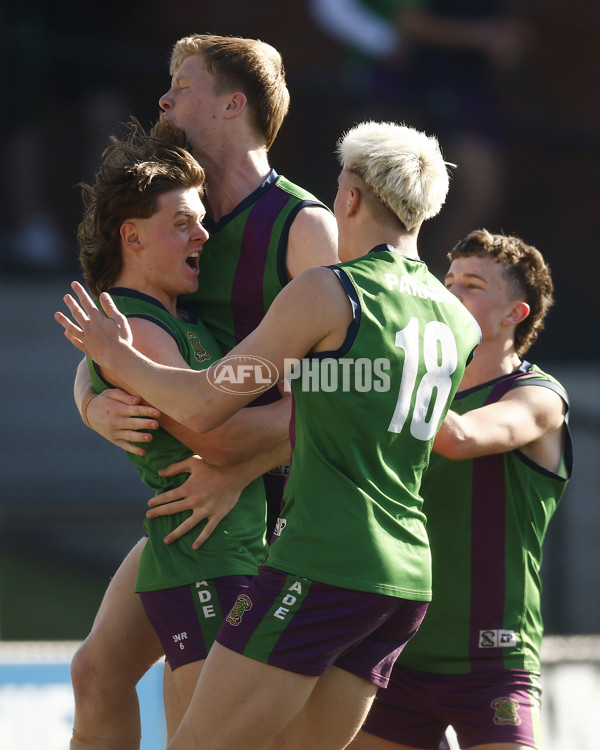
x: 406, y: 244
x: 232, y: 177
x: 368, y: 233
x: 490, y: 361
x: 138, y: 281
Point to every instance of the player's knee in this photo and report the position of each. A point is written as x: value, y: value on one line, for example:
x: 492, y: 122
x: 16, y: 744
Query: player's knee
x: 94, y: 675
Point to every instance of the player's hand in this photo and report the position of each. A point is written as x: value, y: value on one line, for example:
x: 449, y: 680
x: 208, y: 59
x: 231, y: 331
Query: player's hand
x: 92, y: 332
x: 122, y: 419
x: 210, y: 492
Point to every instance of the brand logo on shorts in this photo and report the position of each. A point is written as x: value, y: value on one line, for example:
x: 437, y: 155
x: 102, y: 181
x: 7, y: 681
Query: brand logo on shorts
x: 497, y: 639
x: 242, y: 603
x: 506, y: 711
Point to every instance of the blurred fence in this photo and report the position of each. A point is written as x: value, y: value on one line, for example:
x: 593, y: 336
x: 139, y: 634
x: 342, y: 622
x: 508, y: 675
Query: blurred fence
x: 37, y: 674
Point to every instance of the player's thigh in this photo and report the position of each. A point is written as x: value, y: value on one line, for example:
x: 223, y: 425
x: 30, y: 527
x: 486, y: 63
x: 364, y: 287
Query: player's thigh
x: 178, y: 687
x: 341, y: 697
x: 121, y: 632
x: 258, y: 689
x: 332, y: 715
x: 240, y: 702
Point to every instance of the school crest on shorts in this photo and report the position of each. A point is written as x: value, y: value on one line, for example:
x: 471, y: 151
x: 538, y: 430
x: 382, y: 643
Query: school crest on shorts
x: 506, y: 711
x: 200, y: 353
x: 242, y: 603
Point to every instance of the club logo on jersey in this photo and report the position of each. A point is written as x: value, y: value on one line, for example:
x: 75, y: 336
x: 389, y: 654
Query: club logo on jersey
x: 497, y: 639
x: 242, y: 375
x: 506, y: 711
x: 200, y: 353
x: 242, y: 603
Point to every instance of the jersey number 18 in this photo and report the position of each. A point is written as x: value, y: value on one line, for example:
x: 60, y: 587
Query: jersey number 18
x: 440, y: 358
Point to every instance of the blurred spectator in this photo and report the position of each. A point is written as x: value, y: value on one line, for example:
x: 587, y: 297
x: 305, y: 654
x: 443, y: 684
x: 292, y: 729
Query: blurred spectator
x: 353, y: 23
x: 62, y: 79
x: 434, y: 65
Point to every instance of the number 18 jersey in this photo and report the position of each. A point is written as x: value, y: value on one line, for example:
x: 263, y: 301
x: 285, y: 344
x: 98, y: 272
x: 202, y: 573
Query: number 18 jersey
x: 363, y: 423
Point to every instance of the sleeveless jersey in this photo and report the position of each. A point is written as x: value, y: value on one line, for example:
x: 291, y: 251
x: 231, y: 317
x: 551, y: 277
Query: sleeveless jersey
x: 243, y: 263
x: 237, y: 546
x: 486, y: 519
x: 362, y: 428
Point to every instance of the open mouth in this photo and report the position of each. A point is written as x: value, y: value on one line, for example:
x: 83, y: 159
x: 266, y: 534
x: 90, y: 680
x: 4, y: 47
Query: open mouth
x: 192, y: 261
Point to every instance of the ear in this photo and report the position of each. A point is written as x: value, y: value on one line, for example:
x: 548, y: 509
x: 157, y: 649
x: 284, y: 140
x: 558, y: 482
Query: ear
x: 518, y: 313
x: 354, y: 201
x: 130, y: 235
x: 235, y: 105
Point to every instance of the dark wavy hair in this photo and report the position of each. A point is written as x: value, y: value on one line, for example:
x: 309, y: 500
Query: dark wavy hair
x: 136, y: 169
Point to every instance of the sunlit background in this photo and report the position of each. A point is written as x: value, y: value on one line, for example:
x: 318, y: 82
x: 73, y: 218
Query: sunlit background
x: 528, y: 159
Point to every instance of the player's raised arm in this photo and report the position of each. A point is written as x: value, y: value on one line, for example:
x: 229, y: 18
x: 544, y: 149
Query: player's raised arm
x: 311, y: 312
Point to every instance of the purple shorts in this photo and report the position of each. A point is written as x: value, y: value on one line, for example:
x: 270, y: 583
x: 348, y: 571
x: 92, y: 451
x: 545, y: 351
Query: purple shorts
x: 483, y: 708
x: 306, y: 627
x: 187, y: 618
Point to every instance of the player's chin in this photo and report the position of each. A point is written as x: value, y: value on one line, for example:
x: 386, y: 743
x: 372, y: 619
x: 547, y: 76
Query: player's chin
x: 191, y: 285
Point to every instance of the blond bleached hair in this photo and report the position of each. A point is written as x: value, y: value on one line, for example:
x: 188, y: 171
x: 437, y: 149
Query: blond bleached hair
x: 403, y: 167
x: 248, y: 65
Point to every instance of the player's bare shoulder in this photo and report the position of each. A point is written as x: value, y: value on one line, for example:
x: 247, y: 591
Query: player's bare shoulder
x: 546, y: 411
x: 312, y: 240
x: 544, y: 405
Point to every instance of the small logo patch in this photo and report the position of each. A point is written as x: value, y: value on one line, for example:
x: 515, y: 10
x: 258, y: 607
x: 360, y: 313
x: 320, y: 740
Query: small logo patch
x: 200, y: 353
x: 506, y: 711
x: 497, y: 639
x: 242, y: 603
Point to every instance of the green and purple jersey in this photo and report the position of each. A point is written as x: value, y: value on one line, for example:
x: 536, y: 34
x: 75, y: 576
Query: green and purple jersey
x: 486, y: 520
x: 237, y: 546
x: 243, y: 263
x: 363, y: 423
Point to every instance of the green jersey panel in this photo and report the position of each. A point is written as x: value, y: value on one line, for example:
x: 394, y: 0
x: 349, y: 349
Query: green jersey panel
x: 237, y: 546
x: 363, y: 424
x: 243, y: 263
x: 486, y: 520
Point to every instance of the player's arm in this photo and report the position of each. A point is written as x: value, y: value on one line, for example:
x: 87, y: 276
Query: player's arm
x: 244, y: 436
x: 210, y: 492
x: 529, y: 418
x: 312, y: 240
x: 116, y: 415
x: 503, y: 39
x: 311, y: 313
x: 121, y: 418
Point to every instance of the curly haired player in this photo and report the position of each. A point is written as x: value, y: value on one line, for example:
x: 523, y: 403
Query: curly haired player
x: 500, y: 465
